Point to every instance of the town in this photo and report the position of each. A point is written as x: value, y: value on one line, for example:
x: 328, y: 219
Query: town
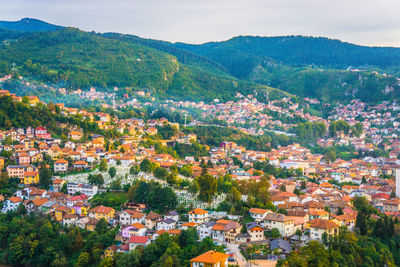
x: 252, y: 205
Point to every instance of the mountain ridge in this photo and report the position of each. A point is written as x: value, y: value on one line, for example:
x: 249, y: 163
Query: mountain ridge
x: 304, y: 66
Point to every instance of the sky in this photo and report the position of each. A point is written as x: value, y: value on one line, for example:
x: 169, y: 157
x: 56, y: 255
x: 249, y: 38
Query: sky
x: 365, y: 22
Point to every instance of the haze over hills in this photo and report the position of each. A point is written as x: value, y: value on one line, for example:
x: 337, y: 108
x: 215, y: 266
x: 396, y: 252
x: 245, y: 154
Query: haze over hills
x: 305, y: 66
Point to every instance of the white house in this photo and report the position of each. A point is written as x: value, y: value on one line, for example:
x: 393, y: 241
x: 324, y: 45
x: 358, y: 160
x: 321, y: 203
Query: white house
x: 284, y: 224
x: 11, y: 204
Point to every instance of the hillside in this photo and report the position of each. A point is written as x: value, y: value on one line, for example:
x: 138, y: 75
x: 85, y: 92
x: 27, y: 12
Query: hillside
x: 77, y: 59
x: 304, y: 66
x: 307, y: 66
x: 28, y: 25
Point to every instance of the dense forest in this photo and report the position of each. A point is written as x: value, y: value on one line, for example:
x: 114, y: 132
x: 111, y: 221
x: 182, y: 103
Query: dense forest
x: 76, y: 59
x: 305, y: 66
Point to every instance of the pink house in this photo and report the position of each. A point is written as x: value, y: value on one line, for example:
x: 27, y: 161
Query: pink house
x: 126, y: 231
x: 24, y: 159
x: 41, y: 133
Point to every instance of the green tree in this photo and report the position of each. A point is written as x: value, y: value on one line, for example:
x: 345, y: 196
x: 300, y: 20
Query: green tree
x: 134, y: 170
x: 45, y: 176
x: 146, y: 166
x: 112, y: 171
x: 160, y: 173
x: 208, y: 187
x: 103, y: 165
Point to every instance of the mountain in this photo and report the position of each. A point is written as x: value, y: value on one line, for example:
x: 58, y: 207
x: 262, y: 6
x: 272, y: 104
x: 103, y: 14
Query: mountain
x: 305, y: 66
x: 28, y: 25
x: 77, y: 59
x: 308, y: 66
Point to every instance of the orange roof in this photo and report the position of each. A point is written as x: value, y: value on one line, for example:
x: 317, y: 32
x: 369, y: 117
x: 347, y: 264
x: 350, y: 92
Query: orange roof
x: 190, y: 224
x: 58, y: 181
x: 61, y: 161
x: 210, y: 257
x: 327, y: 185
x: 138, y: 225
x: 174, y: 232
x: 198, y: 211
x: 323, y: 224
x: 80, y: 162
x: 15, y: 199
x: 40, y: 201
x: 258, y: 211
x: 102, y: 210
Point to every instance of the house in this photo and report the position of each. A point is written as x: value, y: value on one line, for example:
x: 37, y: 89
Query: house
x: 24, y: 159
x: 284, y: 224
x: 348, y: 220
x: 60, y: 165
x: 61, y: 211
x: 33, y: 206
x: 70, y: 219
x: 172, y: 215
x: 100, y: 212
x: 88, y: 190
x: 210, y: 259
x: 152, y: 219
x: 16, y: 171
x: 166, y: 224
x: 320, y: 226
x: 80, y: 164
x: 198, y: 215
x: 135, y: 229
x: 255, y: 231
x: 131, y: 216
x: 110, y: 251
x: 225, y: 231
x: 75, y: 135
x: 282, y: 246
x: 391, y: 205
x: 136, y: 241
x: 90, y: 223
x: 258, y: 214
x: 58, y: 184
x: 11, y: 204
x: 204, y: 229
x: 30, y: 177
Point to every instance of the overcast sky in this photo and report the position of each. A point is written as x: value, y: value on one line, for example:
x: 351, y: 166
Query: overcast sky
x: 367, y: 22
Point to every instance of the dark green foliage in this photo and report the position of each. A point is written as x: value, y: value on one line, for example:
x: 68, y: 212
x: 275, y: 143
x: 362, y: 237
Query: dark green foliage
x: 157, y: 197
x: 208, y: 187
x: 45, y: 176
x: 112, y: 171
x: 96, y: 179
x: 28, y: 25
x: 309, y: 131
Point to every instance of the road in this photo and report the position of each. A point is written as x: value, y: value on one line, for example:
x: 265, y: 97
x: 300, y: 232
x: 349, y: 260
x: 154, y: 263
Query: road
x: 242, y: 262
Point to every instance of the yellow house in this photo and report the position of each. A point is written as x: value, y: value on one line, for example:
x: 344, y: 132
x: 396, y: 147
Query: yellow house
x: 1, y: 163
x: 31, y: 177
x: 110, y: 251
x: 61, y: 211
x: 33, y: 100
x: 91, y: 224
x: 102, y: 212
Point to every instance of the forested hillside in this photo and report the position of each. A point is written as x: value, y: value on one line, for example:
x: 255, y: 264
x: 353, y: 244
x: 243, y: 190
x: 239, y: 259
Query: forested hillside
x: 77, y: 59
x: 304, y: 66
x: 307, y: 66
